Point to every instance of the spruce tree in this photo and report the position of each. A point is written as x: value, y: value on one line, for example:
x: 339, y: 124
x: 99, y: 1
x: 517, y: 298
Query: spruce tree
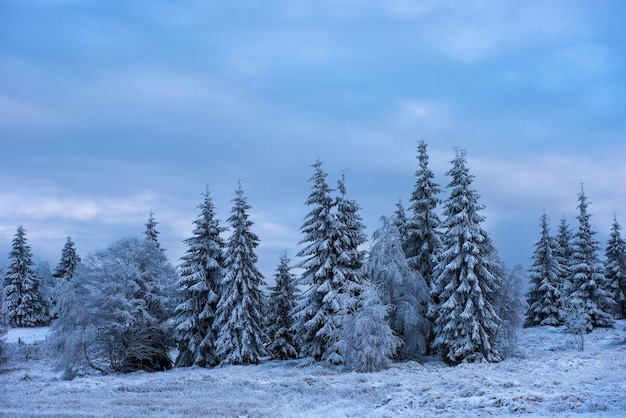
x: 400, y: 220
x: 465, y: 322
x: 239, y: 317
x: 201, y: 275
x: 282, y: 301
x: 587, y: 281
x: 317, y: 313
x: 23, y: 304
x: 563, y: 253
x: 151, y: 232
x: 423, y: 242
x: 615, y: 268
x: 545, y: 296
x: 69, y: 261
x: 401, y: 288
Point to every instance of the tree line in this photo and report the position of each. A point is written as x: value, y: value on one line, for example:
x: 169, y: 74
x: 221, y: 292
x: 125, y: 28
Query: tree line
x: 428, y: 285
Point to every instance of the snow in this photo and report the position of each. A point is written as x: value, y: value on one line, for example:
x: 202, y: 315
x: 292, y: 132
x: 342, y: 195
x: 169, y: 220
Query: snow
x: 548, y: 377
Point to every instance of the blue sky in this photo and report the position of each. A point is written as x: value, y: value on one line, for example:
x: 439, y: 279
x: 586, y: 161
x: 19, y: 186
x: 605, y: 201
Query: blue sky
x: 110, y: 109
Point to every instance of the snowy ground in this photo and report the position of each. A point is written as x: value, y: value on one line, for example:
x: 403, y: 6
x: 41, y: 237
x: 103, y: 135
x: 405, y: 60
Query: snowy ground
x: 548, y: 378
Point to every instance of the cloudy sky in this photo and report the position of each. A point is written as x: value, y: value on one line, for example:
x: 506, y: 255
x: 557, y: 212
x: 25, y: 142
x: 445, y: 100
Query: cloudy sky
x: 110, y: 109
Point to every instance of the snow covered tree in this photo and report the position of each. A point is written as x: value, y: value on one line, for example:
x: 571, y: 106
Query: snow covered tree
x: 23, y: 304
x: 465, y: 321
x: 587, y: 281
x: 201, y: 275
x: 318, y: 309
x: 615, y: 268
x: 367, y: 341
x: 423, y: 242
x: 401, y: 288
x: 563, y: 252
x: 282, y: 302
x: 64, y: 272
x: 400, y: 220
x: 510, y: 307
x: 114, y: 316
x: 151, y: 232
x: 545, y: 296
x: 239, y: 317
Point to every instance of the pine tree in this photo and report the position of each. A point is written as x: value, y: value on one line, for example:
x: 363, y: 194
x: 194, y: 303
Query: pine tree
x: 151, y: 232
x: 465, y: 322
x: 239, y: 318
x: 401, y: 288
x: 400, y: 220
x: 563, y: 253
x: 587, y: 281
x: 69, y: 261
x: 318, y: 310
x: 282, y: 304
x: 423, y: 242
x: 615, y: 268
x: 23, y: 303
x: 545, y: 296
x: 201, y: 274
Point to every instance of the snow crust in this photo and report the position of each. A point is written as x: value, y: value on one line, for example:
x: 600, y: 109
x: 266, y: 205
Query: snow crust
x: 548, y: 377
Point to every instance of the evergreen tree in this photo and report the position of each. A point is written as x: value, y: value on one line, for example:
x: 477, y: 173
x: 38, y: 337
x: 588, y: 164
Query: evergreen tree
x: 545, y: 297
x: 401, y: 288
x: 23, y: 304
x: 282, y: 302
x: 201, y: 275
x: 563, y: 253
x: 318, y: 310
x: 239, y: 318
x: 64, y: 273
x: 615, y: 268
x: 587, y: 281
x: 401, y: 221
x: 151, y: 232
x: 510, y: 306
x: 465, y: 322
x: 423, y: 242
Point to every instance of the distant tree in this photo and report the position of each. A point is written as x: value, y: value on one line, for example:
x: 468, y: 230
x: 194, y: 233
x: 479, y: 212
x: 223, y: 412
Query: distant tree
x: 587, y: 281
x: 400, y: 220
x: 64, y: 272
x: 282, y: 302
x: 151, y: 232
x: 23, y: 304
x: 239, y: 317
x: 465, y: 284
x: 423, y: 242
x: 401, y: 289
x: 615, y: 268
x: 510, y: 307
x: 47, y: 285
x: 545, y: 298
x: 201, y: 275
x: 563, y: 253
x: 115, y: 317
x: 317, y: 312
x: 366, y: 339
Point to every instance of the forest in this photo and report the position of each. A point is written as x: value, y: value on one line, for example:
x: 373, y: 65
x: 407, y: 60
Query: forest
x: 428, y: 284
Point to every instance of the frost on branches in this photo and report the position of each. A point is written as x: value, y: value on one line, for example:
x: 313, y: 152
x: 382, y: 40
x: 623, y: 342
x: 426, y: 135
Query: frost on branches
x: 615, y: 269
x: 587, y: 281
x: 23, y: 302
x: 201, y: 275
x: 465, y: 322
x: 545, y: 296
x: 239, y: 316
x: 401, y: 288
x: 282, y: 302
x: 64, y: 273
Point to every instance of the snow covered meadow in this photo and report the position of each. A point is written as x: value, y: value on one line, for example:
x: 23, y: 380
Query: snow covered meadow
x: 548, y: 377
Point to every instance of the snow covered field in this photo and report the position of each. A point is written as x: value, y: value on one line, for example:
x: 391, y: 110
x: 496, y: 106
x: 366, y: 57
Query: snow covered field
x: 549, y: 377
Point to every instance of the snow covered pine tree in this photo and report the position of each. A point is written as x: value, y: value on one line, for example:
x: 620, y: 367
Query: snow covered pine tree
x: 465, y: 322
x: 240, y: 317
x: 201, y: 275
x: 615, y: 269
x: 282, y: 302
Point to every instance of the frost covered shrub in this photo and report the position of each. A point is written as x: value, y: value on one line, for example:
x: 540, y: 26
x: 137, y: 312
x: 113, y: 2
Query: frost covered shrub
x: 113, y: 316
x: 510, y: 306
x: 367, y: 342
